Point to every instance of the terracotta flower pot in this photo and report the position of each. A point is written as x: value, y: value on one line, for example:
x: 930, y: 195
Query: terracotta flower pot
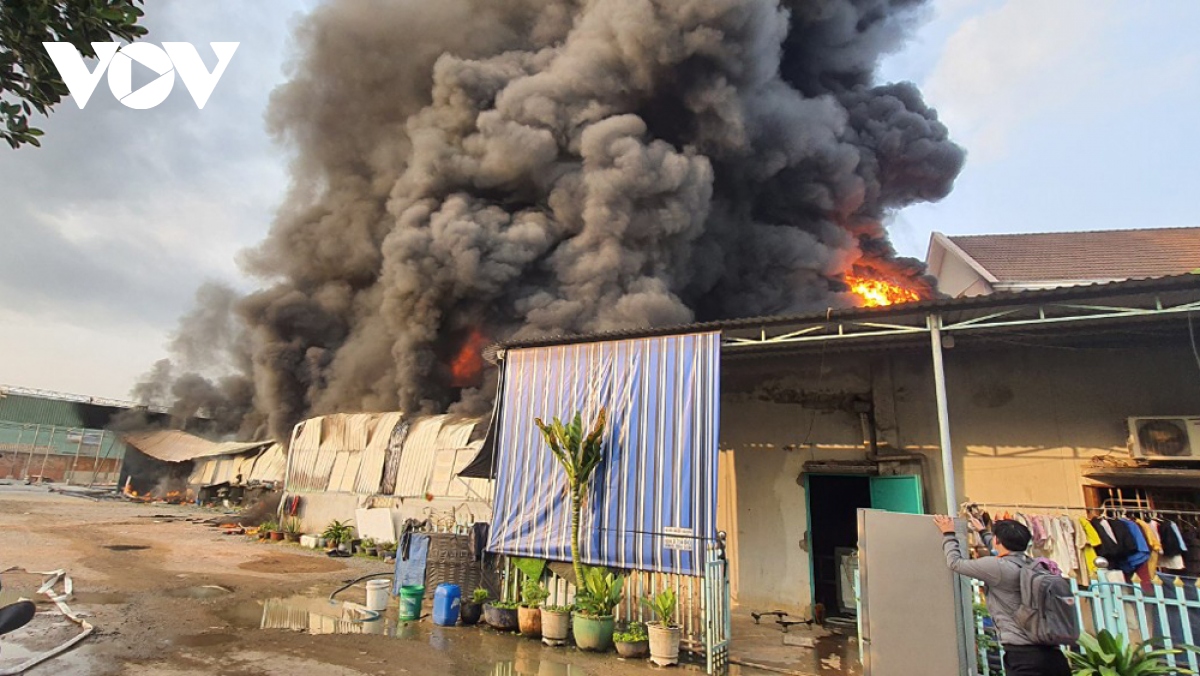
x: 556, y: 627
x: 664, y: 643
x: 277, y: 535
x: 593, y: 633
x: 632, y: 650
x: 530, y: 621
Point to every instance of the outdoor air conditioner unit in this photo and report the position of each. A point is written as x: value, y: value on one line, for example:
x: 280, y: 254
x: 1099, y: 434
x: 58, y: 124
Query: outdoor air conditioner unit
x: 1165, y: 438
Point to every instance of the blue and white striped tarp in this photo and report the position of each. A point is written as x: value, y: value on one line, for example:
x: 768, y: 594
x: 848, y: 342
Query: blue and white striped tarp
x: 653, y: 500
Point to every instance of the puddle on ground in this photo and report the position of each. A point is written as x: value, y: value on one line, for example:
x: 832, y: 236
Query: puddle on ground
x: 535, y: 668
x: 126, y: 548
x: 208, y: 591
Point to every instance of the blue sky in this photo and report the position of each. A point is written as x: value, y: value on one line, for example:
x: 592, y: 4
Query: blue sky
x: 1077, y: 114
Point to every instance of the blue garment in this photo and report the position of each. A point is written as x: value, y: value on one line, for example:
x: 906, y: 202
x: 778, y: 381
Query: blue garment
x: 411, y: 571
x: 1130, y: 563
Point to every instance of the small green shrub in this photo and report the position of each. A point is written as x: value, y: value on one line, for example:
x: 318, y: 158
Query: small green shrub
x: 635, y: 632
x: 601, y: 592
x: 663, y: 606
x: 533, y: 593
x: 480, y: 595
x: 1108, y: 655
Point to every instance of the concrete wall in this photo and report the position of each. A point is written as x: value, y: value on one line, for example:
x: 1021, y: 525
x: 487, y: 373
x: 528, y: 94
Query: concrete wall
x: 318, y: 509
x: 1025, y: 421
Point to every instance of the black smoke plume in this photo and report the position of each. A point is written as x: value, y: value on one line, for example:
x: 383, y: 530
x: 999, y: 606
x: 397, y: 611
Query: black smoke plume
x: 525, y: 167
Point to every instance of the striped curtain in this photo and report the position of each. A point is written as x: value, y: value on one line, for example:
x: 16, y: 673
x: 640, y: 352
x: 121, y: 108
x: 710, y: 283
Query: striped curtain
x: 653, y: 500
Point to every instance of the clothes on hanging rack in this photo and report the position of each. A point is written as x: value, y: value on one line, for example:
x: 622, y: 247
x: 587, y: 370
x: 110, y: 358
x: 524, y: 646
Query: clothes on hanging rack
x: 1136, y: 542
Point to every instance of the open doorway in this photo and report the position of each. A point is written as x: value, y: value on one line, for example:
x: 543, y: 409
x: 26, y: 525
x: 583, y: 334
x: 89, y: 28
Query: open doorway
x: 833, y: 504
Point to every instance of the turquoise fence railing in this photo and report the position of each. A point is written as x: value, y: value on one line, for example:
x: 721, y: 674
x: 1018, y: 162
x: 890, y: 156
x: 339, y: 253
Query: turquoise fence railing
x: 1167, y: 608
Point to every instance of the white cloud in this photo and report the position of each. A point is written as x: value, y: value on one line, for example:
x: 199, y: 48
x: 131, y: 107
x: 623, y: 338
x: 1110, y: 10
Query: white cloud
x: 1015, y: 62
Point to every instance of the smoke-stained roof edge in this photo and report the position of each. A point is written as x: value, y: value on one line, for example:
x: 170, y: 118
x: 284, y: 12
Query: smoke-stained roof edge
x: 1184, y: 282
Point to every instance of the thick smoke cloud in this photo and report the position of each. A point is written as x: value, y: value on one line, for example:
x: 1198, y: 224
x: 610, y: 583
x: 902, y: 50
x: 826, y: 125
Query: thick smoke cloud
x: 531, y: 167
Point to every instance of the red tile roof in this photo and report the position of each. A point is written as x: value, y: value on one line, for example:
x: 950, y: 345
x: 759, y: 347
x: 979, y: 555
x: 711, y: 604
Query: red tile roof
x: 1079, y: 256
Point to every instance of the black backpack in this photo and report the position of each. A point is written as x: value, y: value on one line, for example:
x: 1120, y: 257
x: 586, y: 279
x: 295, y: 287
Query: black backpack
x: 1048, y: 612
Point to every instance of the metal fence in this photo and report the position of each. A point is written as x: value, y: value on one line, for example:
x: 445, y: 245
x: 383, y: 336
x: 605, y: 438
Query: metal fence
x: 1167, y: 609
x: 60, y: 454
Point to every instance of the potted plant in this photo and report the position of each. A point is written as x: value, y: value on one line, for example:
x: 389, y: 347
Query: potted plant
x: 556, y: 625
x: 472, y: 609
x: 501, y: 615
x: 633, y: 642
x: 387, y: 550
x: 1108, y: 655
x: 369, y: 547
x: 664, y: 634
x: 291, y: 528
x: 599, y: 596
x: 337, y: 534
x: 578, y: 455
x: 529, y: 615
x: 265, y: 528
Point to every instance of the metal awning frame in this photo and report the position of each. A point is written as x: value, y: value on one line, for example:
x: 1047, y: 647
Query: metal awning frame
x: 1041, y: 314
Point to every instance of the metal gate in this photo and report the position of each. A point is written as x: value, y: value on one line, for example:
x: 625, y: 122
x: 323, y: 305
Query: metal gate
x: 717, y: 618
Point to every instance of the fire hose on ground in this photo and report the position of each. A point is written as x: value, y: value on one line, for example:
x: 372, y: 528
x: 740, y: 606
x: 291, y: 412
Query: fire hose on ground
x: 60, y: 600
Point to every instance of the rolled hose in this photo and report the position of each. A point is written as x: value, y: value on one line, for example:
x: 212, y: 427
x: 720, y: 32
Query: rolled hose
x: 47, y: 588
x: 371, y: 615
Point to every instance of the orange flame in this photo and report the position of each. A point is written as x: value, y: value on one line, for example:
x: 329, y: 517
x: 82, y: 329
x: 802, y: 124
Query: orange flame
x: 878, y: 292
x: 468, y: 363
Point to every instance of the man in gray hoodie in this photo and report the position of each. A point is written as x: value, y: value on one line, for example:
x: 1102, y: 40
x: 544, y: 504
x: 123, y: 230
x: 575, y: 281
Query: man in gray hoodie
x: 1001, y: 575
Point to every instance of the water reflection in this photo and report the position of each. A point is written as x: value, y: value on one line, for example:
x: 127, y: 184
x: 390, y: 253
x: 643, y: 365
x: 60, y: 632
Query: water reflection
x: 521, y: 667
x: 321, y: 616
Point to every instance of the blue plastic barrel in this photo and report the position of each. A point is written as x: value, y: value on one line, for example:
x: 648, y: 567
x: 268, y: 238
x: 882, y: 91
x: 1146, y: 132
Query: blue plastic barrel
x: 446, y: 601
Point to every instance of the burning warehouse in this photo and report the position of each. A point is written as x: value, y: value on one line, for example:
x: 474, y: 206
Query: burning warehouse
x: 553, y: 168
x: 175, y: 466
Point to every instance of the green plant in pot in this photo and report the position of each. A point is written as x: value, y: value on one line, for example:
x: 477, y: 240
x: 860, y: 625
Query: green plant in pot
x: 664, y: 634
x: 1108, y: 655
x: 529, y: 615
x: 472, y: 608
x: 633, y: 643
x: 501, y: 615
x: 266, y: 528
x: 599, y: 595
x: 579, y: 455
x: 387, y: 549
x: 292, y: 529
x: 338, y: 534
x: 369, y: 547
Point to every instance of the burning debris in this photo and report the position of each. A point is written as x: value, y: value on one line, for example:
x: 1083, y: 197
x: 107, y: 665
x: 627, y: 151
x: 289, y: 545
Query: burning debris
x: 476, y: 170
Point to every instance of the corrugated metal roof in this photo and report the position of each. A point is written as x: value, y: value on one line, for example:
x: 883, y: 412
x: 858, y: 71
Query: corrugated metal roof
x: 1084, y: 292
x: 179, y: 446
x: 270, y: 466
x: 370, y: 468
x: 416, y: 460
x: 1093, y: 255
x: 346, y: 453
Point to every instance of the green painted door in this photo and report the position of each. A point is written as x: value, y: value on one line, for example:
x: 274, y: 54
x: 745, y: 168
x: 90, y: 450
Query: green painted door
x: 900, y: 494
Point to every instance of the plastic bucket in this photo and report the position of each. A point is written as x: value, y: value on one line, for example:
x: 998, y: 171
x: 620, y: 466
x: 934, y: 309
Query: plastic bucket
x: 377, y: 594
x: 411, y: 597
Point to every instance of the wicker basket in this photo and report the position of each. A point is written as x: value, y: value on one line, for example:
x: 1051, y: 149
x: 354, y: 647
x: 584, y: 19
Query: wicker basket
x: 450, y: 562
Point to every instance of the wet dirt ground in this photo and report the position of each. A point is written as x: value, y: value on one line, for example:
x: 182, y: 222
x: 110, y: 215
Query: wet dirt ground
x: 170, y: 596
